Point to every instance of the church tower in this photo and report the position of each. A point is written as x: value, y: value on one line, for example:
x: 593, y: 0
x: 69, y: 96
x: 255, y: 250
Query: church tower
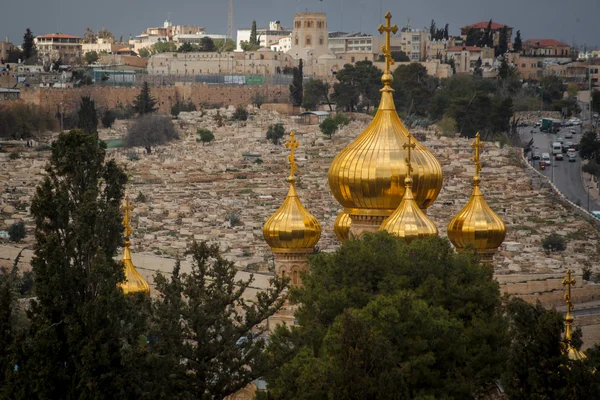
x: 367, y: 176
x: 310, y: 37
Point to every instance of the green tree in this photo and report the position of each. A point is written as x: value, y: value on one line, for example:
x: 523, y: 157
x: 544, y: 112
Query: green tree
x: 553, y: 88
x: 87, y: 116
x: 518, y: 45
x: 10, y: 283
x: 108, y: 118
x: 144, y: 53
x: 381, y: 316
x: 341, y: 119
x: 83, y: 335
x: 205, y: 136
x: 163, y: 47
x: 296, y: 90
x: 398, y: 56
x: 572, y: 89
x: 224, y: 45
x: 356, y: 82
x: 595, y: 101
x: 413, y: 89
x: 144, y: 103
x: 589, y: 146
x: 474, y: 37
x: 253, y: 37
x: 536, y: 367
x: 91, y: 57
x: 207, y: 44
x: 29, y: 49
x: 328, y: 127
x: 502, y: 47
x: 477, y: 70
x: 275, y: 132
x: 150, y: 130
x: 554, y: 242
x: 209, y: 337
x: 240, y: 114
x: 16, y: 232
x: 258, y: 99
x: 247, y: 46
x: 447, y: 125
x: 186, y: 48
x: 315, y: 92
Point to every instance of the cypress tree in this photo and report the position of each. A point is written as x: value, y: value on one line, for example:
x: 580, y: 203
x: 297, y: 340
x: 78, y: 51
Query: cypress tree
x: 28, y: 45
x: 88, y: 119
x: 518, y: 45
x: 253, y: 38
x: 144, y: 103
x: 296, y: 91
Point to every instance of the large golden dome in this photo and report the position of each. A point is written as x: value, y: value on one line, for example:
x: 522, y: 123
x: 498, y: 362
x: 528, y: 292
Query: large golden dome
x: 292, y: 228
x: 341, y: 226
x: 408, y: 221
x: 477, y: 224
x: 367, y: 176
x: 134, y: 282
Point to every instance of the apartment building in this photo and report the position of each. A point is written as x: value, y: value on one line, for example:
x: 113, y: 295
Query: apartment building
x: 414, y: 43
x: 267, y: 36
x: 546, y: 48
x: 57, y: 46
x: 495, y: 29
x: 6, y: 48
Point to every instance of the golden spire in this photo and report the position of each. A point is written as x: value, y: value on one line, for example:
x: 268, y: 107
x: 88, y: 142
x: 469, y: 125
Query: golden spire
x: 408, y: 221
x: 367, y: 176
x: 292, y: 228
x: 134, y: 282
x: 341, y: 226
x: 386, y: 49
x: 476, y: 224
x: 569, y: 350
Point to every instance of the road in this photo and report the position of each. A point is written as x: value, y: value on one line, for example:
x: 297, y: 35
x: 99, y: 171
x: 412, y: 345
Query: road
x: 564, y: 174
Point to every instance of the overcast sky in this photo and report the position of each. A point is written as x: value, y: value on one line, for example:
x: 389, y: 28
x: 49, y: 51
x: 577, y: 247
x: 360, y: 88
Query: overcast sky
x: 565, y: 20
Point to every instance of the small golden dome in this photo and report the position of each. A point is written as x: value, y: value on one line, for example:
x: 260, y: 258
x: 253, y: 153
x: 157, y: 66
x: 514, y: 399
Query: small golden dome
x: 134, y: 282
x: 292, y: 228
x: 408, y: 221
x: 567, y: 348
x: 341, y: 226
x: 367, y: 176
x: 476, y: 224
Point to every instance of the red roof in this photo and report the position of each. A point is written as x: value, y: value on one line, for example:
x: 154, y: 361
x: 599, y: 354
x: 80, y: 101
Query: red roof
x: 57, y: 36
x: 460, y: 48
x: 537, y: 43
x: 484, y: 25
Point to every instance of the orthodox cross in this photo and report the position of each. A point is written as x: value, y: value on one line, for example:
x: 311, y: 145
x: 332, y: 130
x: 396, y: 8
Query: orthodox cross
x: 127, y: 208
x: 568, y: 281
x: 292, y: 144
x: 477, y: 145
x: 410, y: 145
x: 388, y: 29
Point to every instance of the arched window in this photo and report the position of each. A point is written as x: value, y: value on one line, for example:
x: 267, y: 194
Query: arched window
x: 295, y: 277
x: 321, y: 41
x: 296, y: 40
x: 308, y: 40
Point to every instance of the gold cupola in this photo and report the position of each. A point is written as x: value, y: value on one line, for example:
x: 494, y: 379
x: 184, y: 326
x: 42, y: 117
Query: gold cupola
x: 476, y: 224
x: 573, y: 353
x: 408, y: 221
x: 134, y: 282
x: 367, y: 176
x: 341, y: 226
x: 292, y: 228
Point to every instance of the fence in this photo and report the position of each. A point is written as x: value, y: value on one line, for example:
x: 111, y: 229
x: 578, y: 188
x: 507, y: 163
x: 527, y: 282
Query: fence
x: 217, y: 79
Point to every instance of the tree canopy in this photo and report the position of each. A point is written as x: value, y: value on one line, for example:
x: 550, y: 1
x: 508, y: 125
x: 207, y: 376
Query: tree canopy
x: 357, y: 86
x: 144, y: 103
x: 316, y: 91
x: 87, y: 116
x: 296, y: 89
x: 151, y: 130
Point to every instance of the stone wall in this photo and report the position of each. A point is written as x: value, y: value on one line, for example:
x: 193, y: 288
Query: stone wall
x: 107, y: 97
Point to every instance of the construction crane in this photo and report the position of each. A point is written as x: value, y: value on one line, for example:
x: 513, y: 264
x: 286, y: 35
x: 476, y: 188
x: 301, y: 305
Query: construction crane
x: 230, y: 22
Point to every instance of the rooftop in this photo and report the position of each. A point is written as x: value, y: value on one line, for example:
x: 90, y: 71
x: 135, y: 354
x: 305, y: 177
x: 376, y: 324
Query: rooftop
x: 461, y: 48
x: 57, y: 36
x: 544, y: 43
x: 484, y: 25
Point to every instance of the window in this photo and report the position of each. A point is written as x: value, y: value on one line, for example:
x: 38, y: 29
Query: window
x: 522, y: 65
x: 262, y: 56
x: 308, y: 40
x: 321, y: 40
x: 415, y: 38
x: 352, y: 59
x: 296, y: 40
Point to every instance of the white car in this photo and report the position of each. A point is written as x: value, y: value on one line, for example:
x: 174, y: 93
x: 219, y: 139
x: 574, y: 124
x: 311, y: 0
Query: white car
x: 546, y: 159
x: 569, y: 135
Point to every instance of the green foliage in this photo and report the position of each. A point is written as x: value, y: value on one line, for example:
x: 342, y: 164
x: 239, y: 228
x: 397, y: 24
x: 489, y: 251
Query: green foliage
x: 207, y: 44
x: 24, y: 121
x: 315, y: 92
x: 108, y: 118
x: 447, y: 126
x: 87, y: 116
x: 14, y: 155
x: 589, y: 146
x: 210, y: 337
x: 341, y: 119
x: 437, y: 34
x: 144, y: 53
x: 163, y: 47
x: 502, y: 46
x: 258, y: 99
x: 518, y: 44
x: 91, y: 57
x: 151, y: 130
x: 144, y: 103
x: 141, y: 198
x: 572, y: 89
x: 28, y: 47
x: 247, y: 46
x: 185, y: 107
x: 553, y: 88
x: 554, y: 242
x: 536, y: 367
x: 398, y: 56
x: 240, y: 114
x: 186, y: 48
x: 275, y: 132
x: 413, y: 89
x: 224, y: 45
x: 328, y: 126
x: 381, y: 316
x: 596, y: 101
x: 296, y: 90
x: 124, y: 111
x: 356, y: 82
x: 233, y: 218
x: 205, y: 135
x: 16, y: 232
x: 254, y: 39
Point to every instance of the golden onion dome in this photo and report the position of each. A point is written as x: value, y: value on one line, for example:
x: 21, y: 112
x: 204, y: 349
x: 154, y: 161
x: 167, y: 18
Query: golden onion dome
x: 408, y: 221
x: 341, y: 226
x: 292, y: 228
x: 477, y: 224
x: 134, y: 282
x: 367, y: 176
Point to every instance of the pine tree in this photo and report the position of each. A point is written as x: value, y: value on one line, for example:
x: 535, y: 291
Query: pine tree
x: 478, y: 71
x: 518, y: 45
x: 88, y: 119
x: 502, y: 47
x: 432, y: 30
x: 144, y: 103
x: 84, y: 333
x: 28, y: 45
x: 253, y: 37
x: 296, y: 91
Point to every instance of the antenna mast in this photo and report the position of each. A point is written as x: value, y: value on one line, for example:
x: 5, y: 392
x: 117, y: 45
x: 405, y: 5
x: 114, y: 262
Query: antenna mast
x: 230, y: 22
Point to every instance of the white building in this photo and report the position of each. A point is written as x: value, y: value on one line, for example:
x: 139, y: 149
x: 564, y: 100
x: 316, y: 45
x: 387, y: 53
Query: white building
x: 267, y: 36
x: 197, y: 38
x: 284, y: 44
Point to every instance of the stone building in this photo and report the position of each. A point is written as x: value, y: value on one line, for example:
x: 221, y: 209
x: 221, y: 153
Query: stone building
x: 6, y: 48
x: 546, y: 48
x: 267, y: 36
x: 55, y: 46
x: 482, y: 27
x: 310, y: 38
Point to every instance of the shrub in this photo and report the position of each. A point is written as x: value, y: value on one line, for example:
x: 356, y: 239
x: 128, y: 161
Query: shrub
x: 233, y: 218
x: 258, y: 99
x: 175, y: 110
x: 258, y: 160
x: 124, y: 111
x: 554, y: 242
x: 108, y: 118
x: 275, y: 132
x: 14, y: 155
x: 447, y: 126
x: 151, y: 130
x: 141, y: 198
x: 133, y: 157
x: 328, y: 127
x: 43, y: 147
x: 240, y: 114
x: 587, y: 273
x: 16, y: 232
x: 206, y: 136
x: 341, y: 119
